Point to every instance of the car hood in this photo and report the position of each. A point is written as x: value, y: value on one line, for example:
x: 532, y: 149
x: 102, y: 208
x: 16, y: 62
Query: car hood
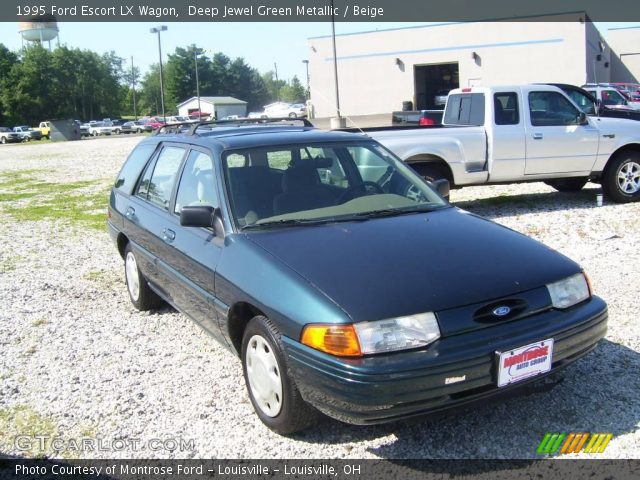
x: 393, y: 266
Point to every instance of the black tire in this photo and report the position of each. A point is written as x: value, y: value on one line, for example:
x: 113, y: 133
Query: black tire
x: 118, y: 131
x: 293, y: 115
x: 294, y: 414
x: 146, y: 299
x: 3, y: 140
x: 567, y: 184
x: 625, y: 164
x: 94, y: 133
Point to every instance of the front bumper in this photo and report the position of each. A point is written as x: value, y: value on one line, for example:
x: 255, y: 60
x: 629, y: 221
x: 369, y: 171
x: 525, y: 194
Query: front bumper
x: 390, y: 387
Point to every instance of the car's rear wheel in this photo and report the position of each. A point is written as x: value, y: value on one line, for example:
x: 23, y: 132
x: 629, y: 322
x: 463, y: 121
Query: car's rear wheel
x: 141, y: 295
x: 272, y: 391
x: 621, y: 179
x: 94, y: 133
x: 567, y: 184
x: 3, y: 140
x: 293, y: 115
x: 118, y: 131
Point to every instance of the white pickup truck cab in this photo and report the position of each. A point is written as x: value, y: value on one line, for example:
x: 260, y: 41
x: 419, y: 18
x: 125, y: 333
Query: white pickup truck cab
x: 520, y: 134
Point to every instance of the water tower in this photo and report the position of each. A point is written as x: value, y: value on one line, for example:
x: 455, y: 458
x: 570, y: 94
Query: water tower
x: 39, y: 29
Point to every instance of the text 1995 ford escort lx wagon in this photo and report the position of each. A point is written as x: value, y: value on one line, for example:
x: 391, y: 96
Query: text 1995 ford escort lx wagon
x: 343, y: 281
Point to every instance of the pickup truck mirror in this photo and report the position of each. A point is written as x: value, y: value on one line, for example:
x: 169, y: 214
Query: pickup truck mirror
x: 202, y: 216
x: 582, y: 118
x: 442, y: 186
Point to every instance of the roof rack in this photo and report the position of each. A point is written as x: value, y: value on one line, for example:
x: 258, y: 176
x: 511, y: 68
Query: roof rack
x: 190, y: 128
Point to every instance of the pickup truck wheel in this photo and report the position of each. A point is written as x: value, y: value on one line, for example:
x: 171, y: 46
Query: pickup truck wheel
x: 567, y: 184
x: 273, y: 392
x: 141, y: 295
x: 94, y: 133
x: 3, y: 140
x: 621, y: 179
x: 118, y: 131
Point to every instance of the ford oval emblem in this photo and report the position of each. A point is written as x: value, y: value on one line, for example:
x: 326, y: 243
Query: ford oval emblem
x: 501, y: 311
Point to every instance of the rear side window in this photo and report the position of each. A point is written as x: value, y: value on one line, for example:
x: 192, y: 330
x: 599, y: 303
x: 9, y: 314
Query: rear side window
x: 465, y: 109
x: 132, y: 168
x: 157, y: 186
x: 505, y: 106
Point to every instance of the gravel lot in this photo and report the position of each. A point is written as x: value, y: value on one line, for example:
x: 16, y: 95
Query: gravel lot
x: 78, y: 361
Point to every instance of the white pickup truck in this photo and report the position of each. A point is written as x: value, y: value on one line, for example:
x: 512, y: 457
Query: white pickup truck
x: 524, y: 133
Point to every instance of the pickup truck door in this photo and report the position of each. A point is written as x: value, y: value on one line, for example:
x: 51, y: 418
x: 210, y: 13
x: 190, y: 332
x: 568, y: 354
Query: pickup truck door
x: 556, y: 142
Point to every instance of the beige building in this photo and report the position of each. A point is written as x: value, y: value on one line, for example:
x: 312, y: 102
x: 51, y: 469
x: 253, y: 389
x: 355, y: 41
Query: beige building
x: 625, y: 58
x: 379, y: 70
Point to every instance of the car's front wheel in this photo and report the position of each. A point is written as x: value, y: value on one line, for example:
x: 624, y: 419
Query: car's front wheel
x: 621, y: 179
x: 141, y: 295
x: 273, y: 393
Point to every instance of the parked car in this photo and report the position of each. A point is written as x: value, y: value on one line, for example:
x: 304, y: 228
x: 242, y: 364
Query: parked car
x: 99, y: 128
x: 360, y: 293
x: 9, y: 136
x: 417, y: 117
x: 441, y: 97
x: 591, y: 106
x: 45, y: 129
x: 27, y: 133
x: 138, y: 126
x: 611, y: 97
x: 83, y: 128
x: 283, y: 109
x: 521, y: 134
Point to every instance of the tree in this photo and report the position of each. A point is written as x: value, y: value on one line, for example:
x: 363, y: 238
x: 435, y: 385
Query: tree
x: 293, y: 92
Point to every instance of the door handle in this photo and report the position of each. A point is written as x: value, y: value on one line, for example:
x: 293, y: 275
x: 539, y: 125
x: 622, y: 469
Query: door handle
x: 537, y: 136
x: 168, y: 235
x: 130, y: 212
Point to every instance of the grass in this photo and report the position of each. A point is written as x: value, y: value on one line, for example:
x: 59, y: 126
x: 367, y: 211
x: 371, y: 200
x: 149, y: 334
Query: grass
x: 24, y: 197
x: 23, y: 420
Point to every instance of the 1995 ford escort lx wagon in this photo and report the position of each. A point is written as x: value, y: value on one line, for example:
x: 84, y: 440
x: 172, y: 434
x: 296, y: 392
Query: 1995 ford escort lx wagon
x: 344, y: 282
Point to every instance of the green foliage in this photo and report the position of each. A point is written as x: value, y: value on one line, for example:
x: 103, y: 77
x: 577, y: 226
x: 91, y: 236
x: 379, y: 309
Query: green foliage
x: 39, y: 85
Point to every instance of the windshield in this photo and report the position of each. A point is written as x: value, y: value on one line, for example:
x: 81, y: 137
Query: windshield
x: 318, y: 183
x: 582, y: 101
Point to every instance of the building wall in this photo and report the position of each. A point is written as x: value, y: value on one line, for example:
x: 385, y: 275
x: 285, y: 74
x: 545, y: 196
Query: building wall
x: 372, y: 81
x: 625, y: 58
x: 221, y: 110
x: 597, y: 56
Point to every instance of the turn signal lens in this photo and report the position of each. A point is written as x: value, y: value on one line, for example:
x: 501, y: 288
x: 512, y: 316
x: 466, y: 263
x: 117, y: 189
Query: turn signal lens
x: 340, y: 340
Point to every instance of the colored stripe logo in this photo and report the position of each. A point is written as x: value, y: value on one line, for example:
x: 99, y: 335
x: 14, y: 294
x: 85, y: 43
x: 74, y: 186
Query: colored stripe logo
x: 574, y: 442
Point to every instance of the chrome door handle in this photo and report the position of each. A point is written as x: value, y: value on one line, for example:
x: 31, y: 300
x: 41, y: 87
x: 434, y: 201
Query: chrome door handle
x: 537, y: 136
x: 168, y: 235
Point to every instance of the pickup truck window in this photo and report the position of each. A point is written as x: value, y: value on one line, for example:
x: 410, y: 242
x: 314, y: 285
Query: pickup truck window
x: 465, y: 109
x: 584, y: 102
x: 506, y: 108
x: 551, y: 109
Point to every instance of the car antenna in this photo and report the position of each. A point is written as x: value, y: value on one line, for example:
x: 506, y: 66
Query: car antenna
x: 334, y: 106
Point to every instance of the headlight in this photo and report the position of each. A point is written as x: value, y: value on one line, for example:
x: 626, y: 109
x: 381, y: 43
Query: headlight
x: 569, y: 291
x: 381, y: 336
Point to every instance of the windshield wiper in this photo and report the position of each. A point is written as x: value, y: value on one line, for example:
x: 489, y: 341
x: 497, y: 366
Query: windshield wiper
x: 391, y: 212
x: 287, y: 223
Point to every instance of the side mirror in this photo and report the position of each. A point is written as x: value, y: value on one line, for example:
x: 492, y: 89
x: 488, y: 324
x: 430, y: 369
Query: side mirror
x: 442, y: 186
x: 582, y: 118
x: 204, y: 216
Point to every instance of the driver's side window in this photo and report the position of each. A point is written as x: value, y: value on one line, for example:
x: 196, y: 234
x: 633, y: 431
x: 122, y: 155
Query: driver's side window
x: 197, y: 184
x: 551, y: 109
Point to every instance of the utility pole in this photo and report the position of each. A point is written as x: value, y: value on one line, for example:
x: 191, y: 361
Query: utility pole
x: 275, y: 66
x: 157, y: 30
x: 338, y: 121
x: 196, y: 52
x: 133, y: 87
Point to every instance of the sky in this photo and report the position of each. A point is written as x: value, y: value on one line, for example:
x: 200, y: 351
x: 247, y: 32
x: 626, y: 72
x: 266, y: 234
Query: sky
x: 260, y: 44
